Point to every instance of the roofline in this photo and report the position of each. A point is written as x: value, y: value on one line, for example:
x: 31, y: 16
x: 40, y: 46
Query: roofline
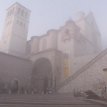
x: 13, y: 56
x: 45, y: 51
x: 20, y: 5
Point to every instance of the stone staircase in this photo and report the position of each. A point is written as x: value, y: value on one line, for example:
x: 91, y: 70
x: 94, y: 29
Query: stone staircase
x: 83, y: 69
x: 53, y: 100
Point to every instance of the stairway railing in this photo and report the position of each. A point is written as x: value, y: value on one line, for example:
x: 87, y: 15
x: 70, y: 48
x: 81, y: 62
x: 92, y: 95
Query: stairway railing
x: 83, y: 69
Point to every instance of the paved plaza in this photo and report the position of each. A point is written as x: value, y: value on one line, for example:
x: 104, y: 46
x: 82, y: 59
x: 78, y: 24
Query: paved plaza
x: 45, y: 101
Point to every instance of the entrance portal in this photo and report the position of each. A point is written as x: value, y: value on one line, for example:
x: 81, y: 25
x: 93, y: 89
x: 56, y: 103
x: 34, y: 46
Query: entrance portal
x: 42, y: 76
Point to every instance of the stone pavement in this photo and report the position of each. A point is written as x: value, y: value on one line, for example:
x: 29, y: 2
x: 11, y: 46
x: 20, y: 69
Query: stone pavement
x: 45, y: 101
x: 97, y: 101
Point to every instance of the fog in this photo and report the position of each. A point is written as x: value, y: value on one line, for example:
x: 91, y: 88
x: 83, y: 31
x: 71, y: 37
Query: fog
x: 51, y: 53
x: 46, y: 15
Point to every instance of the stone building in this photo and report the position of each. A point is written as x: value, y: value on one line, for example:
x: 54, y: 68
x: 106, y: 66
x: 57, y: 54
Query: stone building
x: 61, y: 59
x: 16, y: 30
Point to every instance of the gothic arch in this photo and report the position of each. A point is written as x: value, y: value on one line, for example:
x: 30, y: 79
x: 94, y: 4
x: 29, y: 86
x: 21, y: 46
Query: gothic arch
x: 42, y: 75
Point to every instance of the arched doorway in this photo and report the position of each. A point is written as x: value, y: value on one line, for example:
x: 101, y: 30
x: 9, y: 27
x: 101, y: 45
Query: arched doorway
x: 42, y: 76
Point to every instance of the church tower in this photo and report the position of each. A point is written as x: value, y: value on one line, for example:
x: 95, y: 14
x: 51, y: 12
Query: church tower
x: 90, y: 31
x: 16, y: 30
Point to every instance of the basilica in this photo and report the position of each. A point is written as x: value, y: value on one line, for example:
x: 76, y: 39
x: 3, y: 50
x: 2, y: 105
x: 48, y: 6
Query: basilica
x: 65, y: 60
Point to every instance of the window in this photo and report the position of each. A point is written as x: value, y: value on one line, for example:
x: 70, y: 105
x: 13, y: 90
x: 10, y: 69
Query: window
x: 8, y: 23
x: 24, y: 25
x: 105, y: 69
x: 18, y: 11
x: 22, y: 13
x: 17, y: 22
x: 26, y: 14
x: 44, y: 44
x: 10, y: 12
x: 20, y: 23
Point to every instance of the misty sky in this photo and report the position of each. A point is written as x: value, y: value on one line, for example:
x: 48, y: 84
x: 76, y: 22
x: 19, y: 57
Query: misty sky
x: 51, y: 14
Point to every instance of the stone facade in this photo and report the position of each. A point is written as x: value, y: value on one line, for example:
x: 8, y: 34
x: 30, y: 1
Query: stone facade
x: 91, y: 77
x: 53, y: 58
x: 71, y: 41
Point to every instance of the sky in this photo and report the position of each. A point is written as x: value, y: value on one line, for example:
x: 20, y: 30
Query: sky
x: 52, y: 14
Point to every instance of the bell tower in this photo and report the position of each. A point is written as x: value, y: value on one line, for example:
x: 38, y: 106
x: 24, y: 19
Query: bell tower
x: 16, y: 30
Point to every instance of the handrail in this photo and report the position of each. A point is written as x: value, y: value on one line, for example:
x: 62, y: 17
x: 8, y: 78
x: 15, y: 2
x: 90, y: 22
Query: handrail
x: 83, y: 69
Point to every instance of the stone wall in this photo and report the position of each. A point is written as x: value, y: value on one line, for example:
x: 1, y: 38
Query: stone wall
x: 91, y: 79
x: 15, y: 68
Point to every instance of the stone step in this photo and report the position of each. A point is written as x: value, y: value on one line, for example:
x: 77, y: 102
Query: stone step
x: 44, y: 101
